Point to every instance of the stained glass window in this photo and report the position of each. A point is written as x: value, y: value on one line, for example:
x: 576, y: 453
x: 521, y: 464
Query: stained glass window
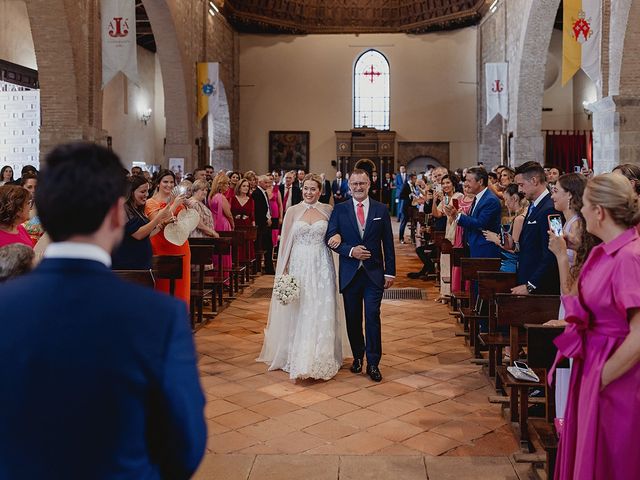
x: 371, y: 91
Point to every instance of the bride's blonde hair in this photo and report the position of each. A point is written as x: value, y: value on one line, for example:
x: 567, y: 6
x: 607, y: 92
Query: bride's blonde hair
x: 314, y: 177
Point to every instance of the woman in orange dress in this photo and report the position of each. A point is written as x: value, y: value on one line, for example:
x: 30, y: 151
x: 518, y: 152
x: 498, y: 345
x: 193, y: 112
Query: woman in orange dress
x: 159, y: 244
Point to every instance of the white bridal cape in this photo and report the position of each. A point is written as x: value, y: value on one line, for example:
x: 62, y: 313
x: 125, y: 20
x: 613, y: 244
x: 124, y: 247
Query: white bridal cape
x: 306, y: 338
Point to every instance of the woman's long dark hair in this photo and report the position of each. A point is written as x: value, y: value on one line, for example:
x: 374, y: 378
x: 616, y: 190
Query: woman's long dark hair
x: 163, y: 173
x: 3, y: 170
x: 575, y: 183
x: 134, y: 182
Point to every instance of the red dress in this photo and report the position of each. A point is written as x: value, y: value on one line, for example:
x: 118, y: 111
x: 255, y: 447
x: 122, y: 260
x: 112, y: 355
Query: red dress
x: 21, y: 237
x: 244, y: 215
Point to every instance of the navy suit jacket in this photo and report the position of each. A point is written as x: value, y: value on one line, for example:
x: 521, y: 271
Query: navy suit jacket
x: 378, y: 239
x: 536, y: 263
x: 485, y: 216
x: 98, y: 378
x: 343, y: 190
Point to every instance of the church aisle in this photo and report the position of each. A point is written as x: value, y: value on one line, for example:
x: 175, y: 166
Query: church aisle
x: 429, y: 414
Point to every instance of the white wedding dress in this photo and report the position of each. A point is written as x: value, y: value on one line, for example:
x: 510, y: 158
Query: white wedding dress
x: 307, y: 338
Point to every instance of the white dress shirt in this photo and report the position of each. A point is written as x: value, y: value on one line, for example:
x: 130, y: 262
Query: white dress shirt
x: 78, y: 250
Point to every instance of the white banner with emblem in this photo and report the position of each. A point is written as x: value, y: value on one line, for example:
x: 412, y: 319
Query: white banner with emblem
x: 118, y: 39
x: 497, y: 92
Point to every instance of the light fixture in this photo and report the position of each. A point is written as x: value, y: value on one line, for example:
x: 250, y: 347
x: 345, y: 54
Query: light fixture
x: 494, y: 6
x: 213, y: 9
x: 145, y: 116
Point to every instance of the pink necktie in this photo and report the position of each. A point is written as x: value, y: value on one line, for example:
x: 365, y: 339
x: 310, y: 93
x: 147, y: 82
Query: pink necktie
x: 360, y: 214
x: 286, y: 197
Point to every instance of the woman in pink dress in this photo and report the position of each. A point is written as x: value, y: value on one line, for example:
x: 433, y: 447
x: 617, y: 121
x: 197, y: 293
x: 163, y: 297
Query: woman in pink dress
x: 14, y: 211
x: 465, y: 206
x: 275, y: 207
x: 602, y: 416
x: 221, y: 211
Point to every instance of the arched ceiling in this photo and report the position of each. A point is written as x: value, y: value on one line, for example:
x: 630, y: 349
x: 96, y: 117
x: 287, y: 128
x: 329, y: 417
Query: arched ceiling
x: 351, y: 16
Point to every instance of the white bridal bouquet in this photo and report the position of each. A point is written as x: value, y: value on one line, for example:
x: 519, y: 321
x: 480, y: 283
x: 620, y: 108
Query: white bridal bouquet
x: 286, y: 289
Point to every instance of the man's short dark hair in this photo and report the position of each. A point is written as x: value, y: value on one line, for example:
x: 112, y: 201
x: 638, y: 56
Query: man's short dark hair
x: 532, y: 169
x: 136, y: 168
x: 28, y: 169
x: 78, y: 185
x: 198, y: 169
x: 359, y: 171
x: 480, y: 174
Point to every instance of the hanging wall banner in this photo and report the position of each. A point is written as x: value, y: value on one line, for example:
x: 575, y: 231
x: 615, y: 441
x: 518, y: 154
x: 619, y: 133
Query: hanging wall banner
x: 118, y: 39
x: 497, y: 92
x: 208, y: 90
x: 581, y: 39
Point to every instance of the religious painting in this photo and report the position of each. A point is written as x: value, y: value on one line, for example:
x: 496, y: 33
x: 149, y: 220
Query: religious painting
x: 288, y: 151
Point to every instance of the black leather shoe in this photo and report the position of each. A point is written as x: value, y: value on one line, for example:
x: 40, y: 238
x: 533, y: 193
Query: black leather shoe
x: 374, y: 373
x: 356, y: 366
x: 415, y: 274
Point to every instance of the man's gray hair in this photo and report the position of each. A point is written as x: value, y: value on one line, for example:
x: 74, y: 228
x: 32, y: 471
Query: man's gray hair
x: 15, y: 259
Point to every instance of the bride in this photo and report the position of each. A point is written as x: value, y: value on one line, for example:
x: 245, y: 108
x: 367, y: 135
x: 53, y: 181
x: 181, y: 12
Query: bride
x: 307, y: 338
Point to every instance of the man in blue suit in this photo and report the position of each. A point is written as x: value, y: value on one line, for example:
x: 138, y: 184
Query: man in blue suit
x: 99, y: 377
x: 484, y: 215
x: 367, y: 267
x: 401, y: 179
x: 340, y: 189
x: 537, y: 265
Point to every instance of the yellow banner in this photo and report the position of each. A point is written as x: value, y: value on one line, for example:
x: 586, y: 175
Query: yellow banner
x: 203, y: 99
x: 571, y: 48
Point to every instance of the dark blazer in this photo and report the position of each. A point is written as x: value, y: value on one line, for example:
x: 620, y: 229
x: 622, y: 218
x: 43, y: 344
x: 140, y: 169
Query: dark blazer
x: 343, y: 190
x: 485, y: 216
x: 536, y: 263
x: 296, y: 194
x: 378, y: 239
x: 326, y: 195
x: 114, y: 364
x: 261, y: 207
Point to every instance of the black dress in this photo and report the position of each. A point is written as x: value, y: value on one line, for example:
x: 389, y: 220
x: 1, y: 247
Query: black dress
x: 133, y: 254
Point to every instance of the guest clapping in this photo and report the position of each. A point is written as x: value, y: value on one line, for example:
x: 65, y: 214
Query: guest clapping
x: 14, y: 211
x: 198, y: 195
x: 135, y: 252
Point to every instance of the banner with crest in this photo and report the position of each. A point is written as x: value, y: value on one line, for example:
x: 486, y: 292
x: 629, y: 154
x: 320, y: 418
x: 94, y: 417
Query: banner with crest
x: 208, y: 90
x: 582, y: 39
x: 496, y: 90
x: 118, y: 27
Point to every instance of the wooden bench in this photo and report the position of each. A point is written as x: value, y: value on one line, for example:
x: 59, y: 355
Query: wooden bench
x: 201, y: 257
x: 141, y: 277
x: 168, y: 267
x: 250, y: 263
x: 237, y: 270
x: 490, y: 284
x: 516, y: 311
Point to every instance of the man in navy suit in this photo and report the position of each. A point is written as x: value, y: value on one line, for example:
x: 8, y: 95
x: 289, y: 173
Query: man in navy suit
x: 484, y: 215
x: 99, y: 376
x: 367, y: 267
x: 537, y: 265
x: 340, y: 189
x: 401, y: 179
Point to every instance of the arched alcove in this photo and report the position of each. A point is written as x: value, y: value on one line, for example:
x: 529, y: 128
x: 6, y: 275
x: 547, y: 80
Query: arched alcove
x: 219, y: 128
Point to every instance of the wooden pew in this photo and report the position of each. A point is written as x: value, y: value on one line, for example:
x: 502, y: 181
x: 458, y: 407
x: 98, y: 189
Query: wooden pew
x: 141, y: 277
x: 201, y: 257
x: 541, y: 353
x: 237, y: 270
x: 168, y: 267
x: 490, y: 284
x: 515, y: 311
x: 469, y: 268
x: 250, y: 264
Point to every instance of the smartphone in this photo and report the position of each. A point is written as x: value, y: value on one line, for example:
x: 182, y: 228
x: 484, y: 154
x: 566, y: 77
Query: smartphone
x: 577, y: 169
x: 585, y: 164
x: 438, y: 187
x: 555, y: 224
x: 456, y: 203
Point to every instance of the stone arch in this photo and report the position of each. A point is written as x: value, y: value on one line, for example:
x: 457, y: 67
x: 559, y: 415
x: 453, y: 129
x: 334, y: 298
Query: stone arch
x: 56, y: 73
x: 367, y: 165
x: 219, y: 126
x: 178, y: 105
x: 527, y: 78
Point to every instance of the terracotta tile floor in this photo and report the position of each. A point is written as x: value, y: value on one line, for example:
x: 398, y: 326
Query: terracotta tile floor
x: 429, y: 417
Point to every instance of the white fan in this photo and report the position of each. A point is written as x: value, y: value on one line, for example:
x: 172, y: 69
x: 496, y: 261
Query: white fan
x: 178, y: 232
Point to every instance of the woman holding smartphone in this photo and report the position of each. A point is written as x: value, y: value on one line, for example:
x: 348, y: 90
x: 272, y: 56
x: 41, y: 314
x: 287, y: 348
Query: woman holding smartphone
x: 443, y: 196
